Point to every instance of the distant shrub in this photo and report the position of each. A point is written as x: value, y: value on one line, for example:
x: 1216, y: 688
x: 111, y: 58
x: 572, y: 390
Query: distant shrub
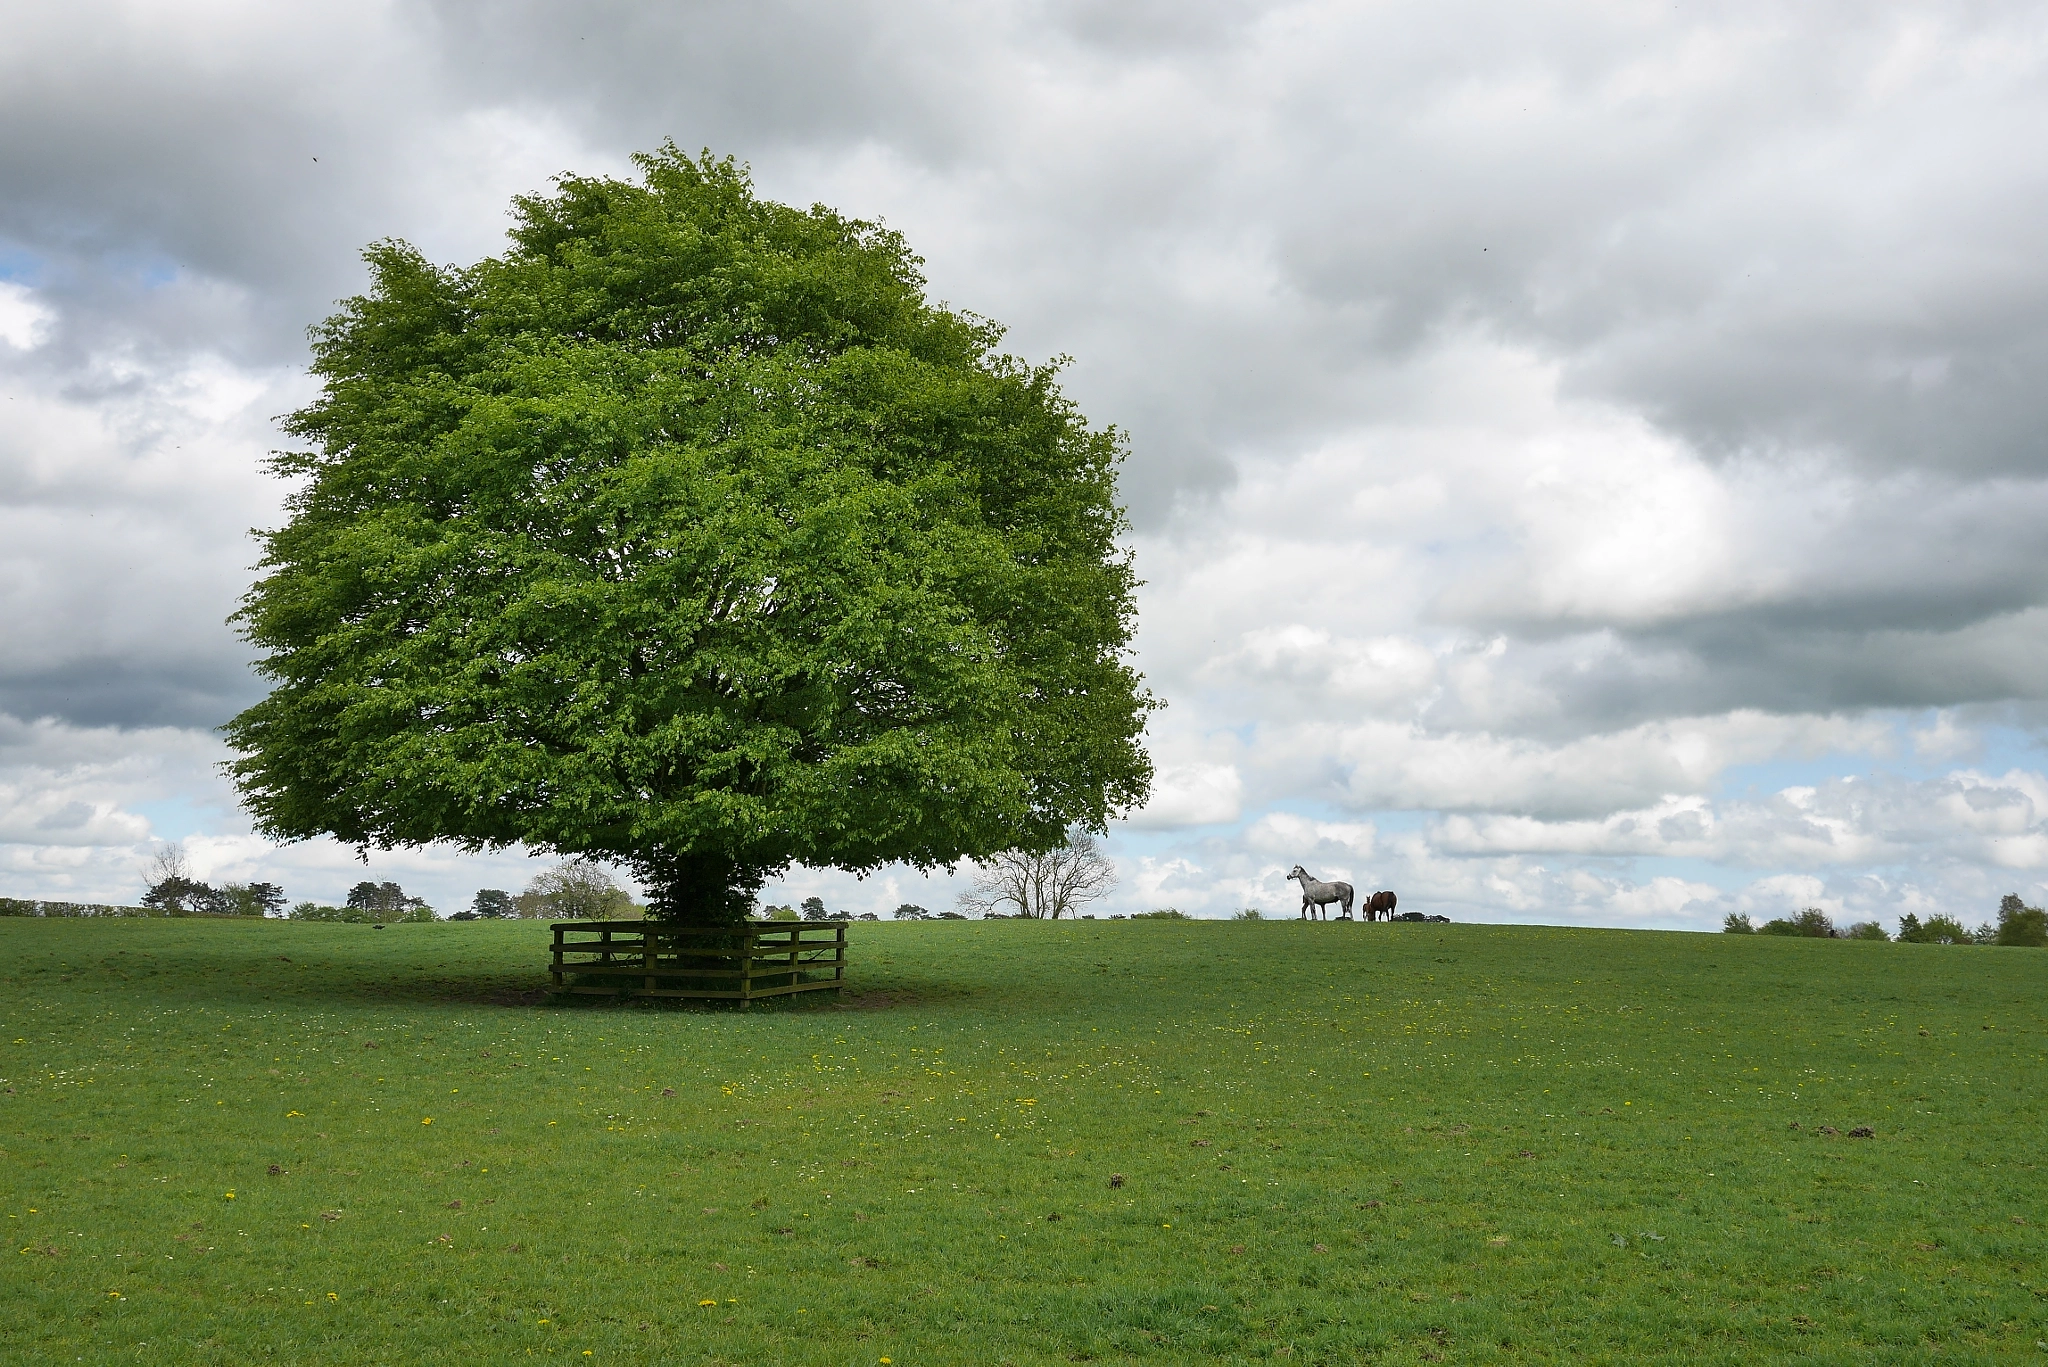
x: 177, y: 893
x: 779, y: 914
x: 1163, y: 914
x: 243, y: 899
x: 492, y: 903
x: 1865, y: 930
x: 1735, y: 923
x: 814, y: 909
x: 1249, y: 914
x: 314, y: 911
x: 575, y: 890
x: 1936, y: 930
x: 911, y: 911
x: 20, y: 906
x: 2020, y: 924
x: 1812, y: 923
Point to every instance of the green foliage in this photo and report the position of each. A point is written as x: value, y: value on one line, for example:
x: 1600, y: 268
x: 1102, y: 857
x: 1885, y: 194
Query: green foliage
x: 1812, y: 923
x: 1735, y: 923
x: 1220, y: 1068
x: 1248, y: 914
x: 387, y: 900
x: 2020, y: 924
x: 315, y: 911
x: 689, y: 534
x: 28, y: 906
x: 1865, y: 930
x: 575, y: 889
x: 911, y: 911
x: 779, y: 914
x: 177, y: 893
x: 1164, y: 914
x: 241, y: 899
x: 493, y: 903
x: 814, y: 909
x: 1936, y: 930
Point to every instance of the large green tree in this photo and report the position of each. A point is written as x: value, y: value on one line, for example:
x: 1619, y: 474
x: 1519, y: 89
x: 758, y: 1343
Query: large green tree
x: 688, y: 533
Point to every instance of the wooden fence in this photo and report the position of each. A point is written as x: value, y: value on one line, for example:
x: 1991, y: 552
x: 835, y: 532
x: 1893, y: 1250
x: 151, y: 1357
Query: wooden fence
x: 737, y: 963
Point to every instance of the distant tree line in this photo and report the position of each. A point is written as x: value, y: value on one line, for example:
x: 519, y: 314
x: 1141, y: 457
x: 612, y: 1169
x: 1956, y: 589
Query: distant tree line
x: 574, y: 890
x: 174, y: 891
x: 367, y: 902
x: 911, y: 911
x: 813, y: 909
x: 2017, y: 924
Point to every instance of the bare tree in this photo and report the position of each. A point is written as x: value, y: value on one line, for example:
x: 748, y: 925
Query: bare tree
x: 171, y: 885
x: 1044, y: 886
x: 167, y: 863
x: 577, y: 890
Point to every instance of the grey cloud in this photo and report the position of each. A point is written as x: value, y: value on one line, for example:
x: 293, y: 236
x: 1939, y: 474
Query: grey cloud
x: 1782, y: 239
x: 1715, y: 666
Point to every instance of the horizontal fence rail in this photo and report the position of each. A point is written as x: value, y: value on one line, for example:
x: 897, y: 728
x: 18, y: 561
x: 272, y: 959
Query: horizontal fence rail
x: 733, y: 963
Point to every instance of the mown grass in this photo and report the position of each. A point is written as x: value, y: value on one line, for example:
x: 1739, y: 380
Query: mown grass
x: 1336, y: 1143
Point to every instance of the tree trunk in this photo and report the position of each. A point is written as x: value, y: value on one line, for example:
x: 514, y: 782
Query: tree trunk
x: 698, y: 889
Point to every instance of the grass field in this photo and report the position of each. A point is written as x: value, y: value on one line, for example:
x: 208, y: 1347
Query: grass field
x: 1024, y: 1143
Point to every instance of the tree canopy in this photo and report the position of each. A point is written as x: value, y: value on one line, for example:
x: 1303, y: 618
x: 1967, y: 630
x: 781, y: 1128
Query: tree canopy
x: 688, y: 533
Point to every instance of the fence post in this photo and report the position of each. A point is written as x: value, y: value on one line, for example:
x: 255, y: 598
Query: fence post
x: 747, y: 934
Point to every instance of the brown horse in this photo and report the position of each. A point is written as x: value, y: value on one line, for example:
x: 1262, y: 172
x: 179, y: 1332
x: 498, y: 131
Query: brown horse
x: 1380, y: 902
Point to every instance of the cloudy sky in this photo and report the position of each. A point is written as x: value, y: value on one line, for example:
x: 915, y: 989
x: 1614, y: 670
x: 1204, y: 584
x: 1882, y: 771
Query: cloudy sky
x: 1587, y: 460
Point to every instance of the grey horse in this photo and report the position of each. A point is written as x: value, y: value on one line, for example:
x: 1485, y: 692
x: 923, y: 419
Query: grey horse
x: 1319, y: 894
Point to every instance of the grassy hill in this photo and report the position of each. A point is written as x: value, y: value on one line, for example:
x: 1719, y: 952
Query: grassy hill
x: 1023, y: 1143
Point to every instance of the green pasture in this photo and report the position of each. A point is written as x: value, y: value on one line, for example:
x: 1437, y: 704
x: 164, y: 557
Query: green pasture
x: 1023, y: 1143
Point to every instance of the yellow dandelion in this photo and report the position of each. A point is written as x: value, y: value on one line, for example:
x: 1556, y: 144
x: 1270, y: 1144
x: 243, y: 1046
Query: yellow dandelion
x: 428, y: 1121
x: 707, y: 1302
x: 229, y: 1195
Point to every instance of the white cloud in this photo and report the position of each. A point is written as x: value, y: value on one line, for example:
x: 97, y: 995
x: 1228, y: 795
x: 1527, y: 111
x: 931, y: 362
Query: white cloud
x: 23, y: 321
x: 1542, y: 419
x: 1192, y: 795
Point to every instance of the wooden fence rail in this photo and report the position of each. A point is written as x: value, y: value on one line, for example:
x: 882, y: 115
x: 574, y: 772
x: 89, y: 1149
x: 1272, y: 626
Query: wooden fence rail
x: 737, y: 963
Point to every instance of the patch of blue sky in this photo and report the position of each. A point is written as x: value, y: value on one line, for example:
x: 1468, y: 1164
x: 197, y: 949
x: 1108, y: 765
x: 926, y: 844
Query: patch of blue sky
x: 1760, y: 782
x: 1994, y: 749
x: 178, y: 818
x: 19, y: 265
x: 2004, y: 747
